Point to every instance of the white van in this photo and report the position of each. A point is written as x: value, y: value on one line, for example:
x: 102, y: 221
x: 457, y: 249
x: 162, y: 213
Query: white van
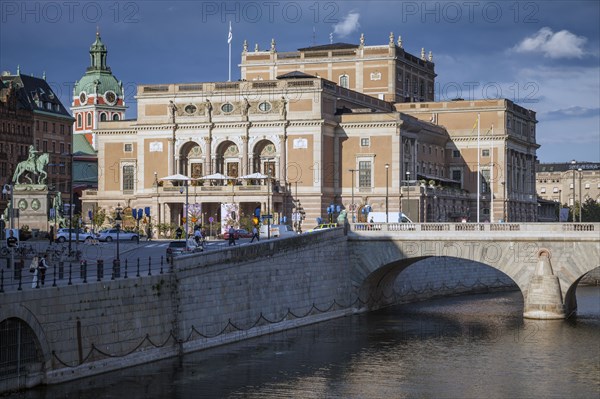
x: 277, y: 230
x: 393, y: 217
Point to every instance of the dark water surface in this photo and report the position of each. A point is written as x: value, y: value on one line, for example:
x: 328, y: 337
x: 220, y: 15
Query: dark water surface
x: 476, y: 346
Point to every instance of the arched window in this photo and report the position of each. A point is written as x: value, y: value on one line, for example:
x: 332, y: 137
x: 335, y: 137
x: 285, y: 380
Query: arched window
x: 345, y: 81
x: 102, y: 117
x: 89, y: 119
x: 115, y: 117
x: 79, y: 119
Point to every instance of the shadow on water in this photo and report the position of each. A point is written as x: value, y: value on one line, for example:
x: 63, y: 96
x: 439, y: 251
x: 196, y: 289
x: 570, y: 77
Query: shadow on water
x: 468, y: 346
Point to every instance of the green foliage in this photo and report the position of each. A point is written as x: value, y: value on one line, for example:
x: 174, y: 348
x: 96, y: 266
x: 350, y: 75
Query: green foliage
x: 98, y: 217
x: 591, y: 211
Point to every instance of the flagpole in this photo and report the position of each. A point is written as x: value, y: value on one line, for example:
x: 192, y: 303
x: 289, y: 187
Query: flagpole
x: 229, y: 37
x: 492, y: 179
x: 478, y: 171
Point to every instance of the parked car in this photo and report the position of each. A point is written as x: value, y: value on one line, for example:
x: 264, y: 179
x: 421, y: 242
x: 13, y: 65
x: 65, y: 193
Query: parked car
x: 178, y: 247
x: 323, y: 226
x: 239, y: 233
x: 111, y: 234
x: 62, y: 235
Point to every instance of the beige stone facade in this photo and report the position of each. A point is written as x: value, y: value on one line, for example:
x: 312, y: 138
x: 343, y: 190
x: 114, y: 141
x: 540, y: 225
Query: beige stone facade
x: 321, y: 144
x: 383, y: 71
x: 504, y: 137
x: 568, y: 183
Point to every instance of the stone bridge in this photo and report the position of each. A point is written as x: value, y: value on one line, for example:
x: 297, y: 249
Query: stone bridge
x: 59, y: 333
x: 546, y: 261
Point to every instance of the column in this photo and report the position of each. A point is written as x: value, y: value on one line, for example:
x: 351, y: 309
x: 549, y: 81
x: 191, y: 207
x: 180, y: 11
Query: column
x: 283, y: 158
x: 244, y: 169
x: 208, y: 155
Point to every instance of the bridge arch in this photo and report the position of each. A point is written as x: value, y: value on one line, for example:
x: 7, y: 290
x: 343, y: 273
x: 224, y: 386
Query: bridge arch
x: 384, y: 285
x: 25, y: 353
x: 570, y: 295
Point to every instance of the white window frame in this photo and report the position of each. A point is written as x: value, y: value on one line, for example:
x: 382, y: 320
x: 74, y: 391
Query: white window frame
x: 365, y: 141
x: 346, y: 78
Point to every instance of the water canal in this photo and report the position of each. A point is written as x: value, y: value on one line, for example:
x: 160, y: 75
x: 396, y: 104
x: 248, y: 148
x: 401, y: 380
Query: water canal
x: 459, y: 347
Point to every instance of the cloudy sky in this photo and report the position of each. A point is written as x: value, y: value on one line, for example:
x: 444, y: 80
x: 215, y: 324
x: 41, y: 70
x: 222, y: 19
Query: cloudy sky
x: 543, y: 55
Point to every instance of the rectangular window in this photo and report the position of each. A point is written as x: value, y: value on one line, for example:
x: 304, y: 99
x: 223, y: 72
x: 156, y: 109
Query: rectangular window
x: 128, y: 177
x: 365, y: 142
x: 587, y: 185
x: 485, y: 153
x: 543, y: 190
x: 485, y: 180
x: 555, y: 190
x: 128, y: 147
x: 54, y: 146
x: 62, y: 129
x: 364, y: 174
x: 456, y: 175
x: 45, y: 146
x: 455, y: 154
x: 62, y: 148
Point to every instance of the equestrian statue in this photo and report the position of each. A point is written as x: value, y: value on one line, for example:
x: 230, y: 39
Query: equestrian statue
x: 33, y: 165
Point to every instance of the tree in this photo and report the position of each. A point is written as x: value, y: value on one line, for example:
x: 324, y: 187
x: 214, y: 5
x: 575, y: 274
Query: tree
x: 591, y: 211
x: 99, y: 217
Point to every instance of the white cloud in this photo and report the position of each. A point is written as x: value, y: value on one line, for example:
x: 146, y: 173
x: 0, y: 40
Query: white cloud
x: 348, y: 25
x: 562, y: 44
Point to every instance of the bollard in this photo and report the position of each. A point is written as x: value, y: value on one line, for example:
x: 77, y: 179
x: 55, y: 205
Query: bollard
x: 84, y: 270
x: 100, y: 271
x: 70, y: 273
x: 161, y: 264
x: 125, y: 269
x: 138, y: 267
x: 149, y: 266
x: 61, y: 270
x: 54, y: 275
x: 2, y: 281
x: 116, y: 268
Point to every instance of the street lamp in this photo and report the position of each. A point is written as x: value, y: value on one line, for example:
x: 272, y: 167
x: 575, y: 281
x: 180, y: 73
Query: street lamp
x: 269, y: 205
x: 580, y: 203
x: 408, y: 193
x: 353, y: 207
x: 118, y: 220
x: 8, y: 189
x: 573, y: 162
x: 387, y: 168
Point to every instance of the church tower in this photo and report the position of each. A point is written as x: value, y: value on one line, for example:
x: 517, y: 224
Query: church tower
x: 97, y: 96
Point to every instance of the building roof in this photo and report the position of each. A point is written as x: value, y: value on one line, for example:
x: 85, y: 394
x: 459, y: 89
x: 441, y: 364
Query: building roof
x: 566, y: 166
x: 295, y: 75
x: 332, y: 46
x: 36, y: 94
x: 82, y: 147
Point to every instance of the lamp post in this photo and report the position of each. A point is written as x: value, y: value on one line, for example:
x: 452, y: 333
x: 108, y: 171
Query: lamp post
x: 408, y: 193
x: 573, y: 162
x: 580, y: 200
x: 353, y: 207
x: 387, y: 168
x: 9, y: 188
x: 118, y: 220
x: 269, y: 205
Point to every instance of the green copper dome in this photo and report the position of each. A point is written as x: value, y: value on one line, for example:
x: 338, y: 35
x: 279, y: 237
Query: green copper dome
x: 98, y: 74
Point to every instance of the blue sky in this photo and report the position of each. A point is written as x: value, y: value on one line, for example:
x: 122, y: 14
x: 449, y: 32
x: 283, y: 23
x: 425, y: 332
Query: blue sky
x: 543, y: 55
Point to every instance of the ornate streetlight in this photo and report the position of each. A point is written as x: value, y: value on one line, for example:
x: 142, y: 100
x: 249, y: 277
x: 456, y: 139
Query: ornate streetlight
x: 387, y: 168
x: 580, y: 200
x: 573, y: 162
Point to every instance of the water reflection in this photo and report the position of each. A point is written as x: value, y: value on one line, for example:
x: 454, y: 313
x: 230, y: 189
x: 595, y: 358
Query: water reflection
x: 462, y: 347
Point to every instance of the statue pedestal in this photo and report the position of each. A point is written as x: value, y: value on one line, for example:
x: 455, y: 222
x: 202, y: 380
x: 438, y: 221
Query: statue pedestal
x: 32, y: 202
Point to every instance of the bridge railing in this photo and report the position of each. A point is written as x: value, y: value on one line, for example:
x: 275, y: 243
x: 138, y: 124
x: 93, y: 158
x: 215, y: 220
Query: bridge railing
x: 464, y: 227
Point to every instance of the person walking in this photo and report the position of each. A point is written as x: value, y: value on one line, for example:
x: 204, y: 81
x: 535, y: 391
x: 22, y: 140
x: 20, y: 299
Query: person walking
x: 255, y: 234
x: 178, y: 233
x: 231, y: 235
x: 42, y: 267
